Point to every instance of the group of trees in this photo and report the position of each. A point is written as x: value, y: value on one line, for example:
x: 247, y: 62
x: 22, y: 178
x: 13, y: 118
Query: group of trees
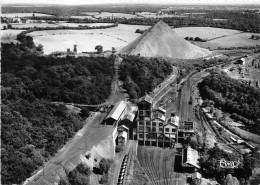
x: 210, y: 166
x: 140, y: 31
x: 141, y: 75
x: 79, y: 27
x: 33, y: 128
x: 78, y: 176
x: 255, y: 37
x: 198, y: 39
x: 234, y: 97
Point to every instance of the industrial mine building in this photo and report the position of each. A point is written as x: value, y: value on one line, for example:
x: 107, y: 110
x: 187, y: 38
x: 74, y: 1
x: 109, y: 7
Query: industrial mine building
x: 148, y: 126
x: 154, y: 129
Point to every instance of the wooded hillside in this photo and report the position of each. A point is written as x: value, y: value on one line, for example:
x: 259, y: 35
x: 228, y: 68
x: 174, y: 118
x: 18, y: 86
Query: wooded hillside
x: 141, y: 75
x: 238, y: 99
x: 33, y: 128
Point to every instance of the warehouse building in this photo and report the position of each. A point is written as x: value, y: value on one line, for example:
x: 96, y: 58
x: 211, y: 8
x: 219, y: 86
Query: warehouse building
x: 116, y: 114
x: 190, y: 159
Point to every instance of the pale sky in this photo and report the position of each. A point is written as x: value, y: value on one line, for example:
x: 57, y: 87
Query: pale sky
x: 79, y: 2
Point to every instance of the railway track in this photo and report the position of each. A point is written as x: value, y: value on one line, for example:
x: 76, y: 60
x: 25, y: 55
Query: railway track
x: 148, y: 167
x: 213, y: 129
x: 158, y: 165
x: 172, y: 170
x: 166, y: 166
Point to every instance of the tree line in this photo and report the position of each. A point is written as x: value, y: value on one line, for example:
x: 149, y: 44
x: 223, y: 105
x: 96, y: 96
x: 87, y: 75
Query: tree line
x: 79, y: 27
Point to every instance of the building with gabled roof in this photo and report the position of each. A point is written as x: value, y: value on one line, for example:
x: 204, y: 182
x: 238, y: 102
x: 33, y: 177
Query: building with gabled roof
x: 146, y: 98
x: 196, y: 175
x: 116, y: 114
x: 190, y: 159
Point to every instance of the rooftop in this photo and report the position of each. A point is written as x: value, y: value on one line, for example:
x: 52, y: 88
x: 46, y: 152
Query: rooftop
x: 162, y: 109
x: 158, y: 115
x: 117, y: 110
x: 146, y: 98
x: 122, y: 134
x: 173, y: 120
x: 191, y: 156
x: 196, y: 175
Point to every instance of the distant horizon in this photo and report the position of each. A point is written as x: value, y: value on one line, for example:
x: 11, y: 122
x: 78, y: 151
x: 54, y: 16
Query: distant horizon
x: 132, y: 2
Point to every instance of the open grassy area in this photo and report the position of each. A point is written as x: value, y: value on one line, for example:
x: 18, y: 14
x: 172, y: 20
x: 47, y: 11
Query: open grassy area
x: 8, y: 36
x: 32, y: 25
x: 90, y: 13
x: 204, y: 32
x: 217, y: 37
x: 83, y: 17
x: 118, y: 37
x: 60, y: 40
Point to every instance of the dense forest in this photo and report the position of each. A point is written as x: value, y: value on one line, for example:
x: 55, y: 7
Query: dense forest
x: 141, y: 75
x: 209, y: 163
x: 33, y: 128
x: 234, y: 97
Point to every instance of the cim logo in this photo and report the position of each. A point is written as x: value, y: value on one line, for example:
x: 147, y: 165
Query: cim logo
x: 228, y: 164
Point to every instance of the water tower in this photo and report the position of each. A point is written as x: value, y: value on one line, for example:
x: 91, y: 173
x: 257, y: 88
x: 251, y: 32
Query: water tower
x: 75, y: 49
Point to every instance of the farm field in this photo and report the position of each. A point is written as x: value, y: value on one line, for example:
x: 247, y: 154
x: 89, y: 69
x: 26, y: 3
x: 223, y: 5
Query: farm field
x: 159, y: 165
x: 31, y: 25
x: 23, y: 14
x: 204, y: 32
x: 86, y: 24
x: 90, y: 13
x: 218, y: 37
x: 236, y: 40
x: 83, y: 17
x: 8, y: 36
x: 60, y: 40
x: 118, y: 37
